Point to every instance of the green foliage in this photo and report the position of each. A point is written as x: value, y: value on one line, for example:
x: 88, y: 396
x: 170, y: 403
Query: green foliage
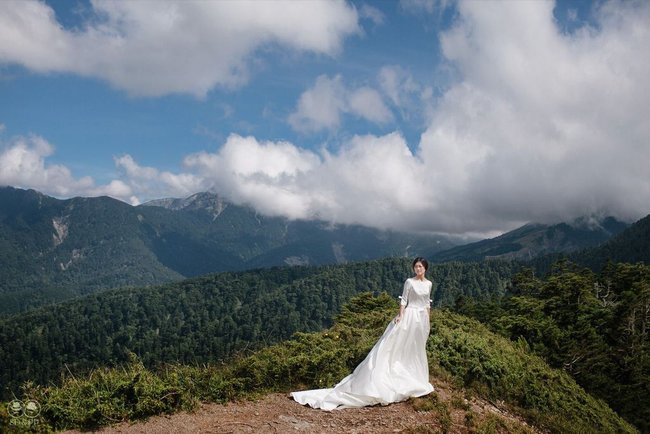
x: 630, y: 246
x: 500, y: 370
x: 497, y: 425
x: 111, y: 395
x: 207, y: 319
x: 490, y: 365
x: 431, y: 403
x: 53, y: 250
x: 594, y: 327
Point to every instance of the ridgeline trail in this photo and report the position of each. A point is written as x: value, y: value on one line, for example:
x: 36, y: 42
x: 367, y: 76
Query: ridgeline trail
x: 446, y: 410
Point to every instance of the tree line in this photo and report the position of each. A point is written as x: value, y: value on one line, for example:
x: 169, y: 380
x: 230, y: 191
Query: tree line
x: 211, y: 318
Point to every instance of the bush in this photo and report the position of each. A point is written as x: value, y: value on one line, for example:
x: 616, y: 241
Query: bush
x: 458, y: 348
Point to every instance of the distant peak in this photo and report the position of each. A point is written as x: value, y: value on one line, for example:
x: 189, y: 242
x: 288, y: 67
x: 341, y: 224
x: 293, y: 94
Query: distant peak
x: 205, y: 200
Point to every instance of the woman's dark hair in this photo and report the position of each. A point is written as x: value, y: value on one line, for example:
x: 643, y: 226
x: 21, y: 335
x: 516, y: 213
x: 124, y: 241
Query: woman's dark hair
x: 422, y: 261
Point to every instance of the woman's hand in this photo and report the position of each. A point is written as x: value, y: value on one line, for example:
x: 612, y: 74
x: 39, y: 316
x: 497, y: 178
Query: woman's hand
x: 398, y: 318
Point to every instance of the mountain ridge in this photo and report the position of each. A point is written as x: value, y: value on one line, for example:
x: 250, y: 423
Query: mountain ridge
x: 536, y: 239
x: 52, y: 250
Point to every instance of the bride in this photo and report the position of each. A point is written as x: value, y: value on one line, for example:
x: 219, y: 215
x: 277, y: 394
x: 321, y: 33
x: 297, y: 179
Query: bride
x: 396, y: 368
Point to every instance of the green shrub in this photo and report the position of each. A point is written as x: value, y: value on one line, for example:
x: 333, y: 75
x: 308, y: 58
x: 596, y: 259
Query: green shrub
x: 459, y: 348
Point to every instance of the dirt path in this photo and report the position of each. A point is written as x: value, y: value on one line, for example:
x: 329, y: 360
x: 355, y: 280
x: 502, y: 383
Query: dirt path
x: 278, y: 413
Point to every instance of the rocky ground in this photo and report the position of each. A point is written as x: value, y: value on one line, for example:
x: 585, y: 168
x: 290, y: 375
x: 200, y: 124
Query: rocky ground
x: 446, y: 410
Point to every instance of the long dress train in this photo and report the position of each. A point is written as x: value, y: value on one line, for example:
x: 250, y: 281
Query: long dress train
x: 395, y: 369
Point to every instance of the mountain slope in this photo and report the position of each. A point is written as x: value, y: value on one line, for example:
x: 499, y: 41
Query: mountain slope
x: 486, y: 366
x: 211, y: 317
x: 632, y: 245
x: 52, y: 250
x: 533, y: 240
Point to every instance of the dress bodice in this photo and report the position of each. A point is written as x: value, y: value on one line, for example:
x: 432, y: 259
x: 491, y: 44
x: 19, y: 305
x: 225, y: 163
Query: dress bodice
x: 416, y: 293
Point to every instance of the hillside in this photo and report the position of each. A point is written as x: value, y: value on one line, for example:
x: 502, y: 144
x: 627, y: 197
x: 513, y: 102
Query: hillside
x: 53, y: 250
x: 593, y: 326
x: 534, y: 240
x: 209, y: 318
x: 632, y: 245
x: 472, y: 368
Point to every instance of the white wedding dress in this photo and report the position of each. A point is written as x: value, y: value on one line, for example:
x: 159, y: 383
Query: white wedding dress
x: 395, y: 369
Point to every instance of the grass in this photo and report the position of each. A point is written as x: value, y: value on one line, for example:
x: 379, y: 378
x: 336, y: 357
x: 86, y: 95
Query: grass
x: 459, y: 349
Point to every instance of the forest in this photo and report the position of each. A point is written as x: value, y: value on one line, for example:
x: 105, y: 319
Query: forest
x: 582, y: 314
x: 460, y: 350
x: 208, y: 319
x: 595, y: 326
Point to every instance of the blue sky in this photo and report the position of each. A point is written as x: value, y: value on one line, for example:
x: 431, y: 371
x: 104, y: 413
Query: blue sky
x: 463, y: 117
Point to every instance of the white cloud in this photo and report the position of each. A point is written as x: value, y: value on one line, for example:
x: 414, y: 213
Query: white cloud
x: 367, y: 103
x: 149, y: 182
x: 411, y: 100
x: 428, y: 6
x: 322, y: 106
x: 23, y: 164
x: 265, y: 175
x: 372, y: 13
x: 539, y: 125
x: 397, y: 84
x: 371, y: 180
x: 554, y: 127
x: 151, y: 48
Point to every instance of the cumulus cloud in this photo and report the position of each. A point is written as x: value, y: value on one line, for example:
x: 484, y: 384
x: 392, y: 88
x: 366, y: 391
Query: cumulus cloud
x: 151, y: 48
x: 23, y: 164
x: 367, y: 103
x: 322, y: 106
x: 149, y: 182
x: 543, y: 125
x: 370, y: 180
x: 539, y: 125
x: 266, y: 175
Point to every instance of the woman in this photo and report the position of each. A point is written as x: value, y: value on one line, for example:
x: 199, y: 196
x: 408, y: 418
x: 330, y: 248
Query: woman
x: 396, y: 368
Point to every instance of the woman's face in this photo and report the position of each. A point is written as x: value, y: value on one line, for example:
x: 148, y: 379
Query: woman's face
x: 419, y: 270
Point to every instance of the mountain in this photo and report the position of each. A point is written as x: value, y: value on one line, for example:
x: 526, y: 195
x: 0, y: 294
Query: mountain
x: 534, y: 240
x: 632, y: 245
x: 52, y: 250
x: 262, y: 241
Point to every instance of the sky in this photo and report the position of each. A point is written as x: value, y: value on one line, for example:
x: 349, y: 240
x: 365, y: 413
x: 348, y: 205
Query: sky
x: 438, y: 116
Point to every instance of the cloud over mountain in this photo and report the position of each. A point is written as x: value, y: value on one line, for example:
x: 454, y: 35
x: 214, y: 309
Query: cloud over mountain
x: 538, y: 123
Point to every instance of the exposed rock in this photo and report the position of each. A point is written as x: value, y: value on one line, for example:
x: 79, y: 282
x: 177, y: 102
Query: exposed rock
x: 61, y: 227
